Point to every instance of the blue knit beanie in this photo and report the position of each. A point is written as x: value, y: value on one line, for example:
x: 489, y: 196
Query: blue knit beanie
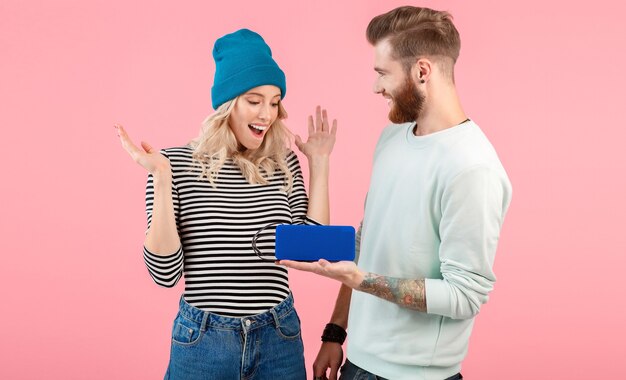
x: 243, y: 61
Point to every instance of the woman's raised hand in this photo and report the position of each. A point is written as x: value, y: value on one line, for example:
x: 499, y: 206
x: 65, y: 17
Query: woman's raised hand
x: 321, y: 135
x: 148, y: 157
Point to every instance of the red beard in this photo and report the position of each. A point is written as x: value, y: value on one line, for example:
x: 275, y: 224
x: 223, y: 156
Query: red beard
x: 407, y: 103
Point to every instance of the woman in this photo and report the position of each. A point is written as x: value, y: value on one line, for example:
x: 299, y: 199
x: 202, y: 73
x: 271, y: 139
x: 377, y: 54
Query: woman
x: 205, y: 202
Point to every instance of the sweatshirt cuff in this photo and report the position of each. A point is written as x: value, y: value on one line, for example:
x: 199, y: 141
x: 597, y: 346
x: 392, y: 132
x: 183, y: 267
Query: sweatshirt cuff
x: 437, y: 297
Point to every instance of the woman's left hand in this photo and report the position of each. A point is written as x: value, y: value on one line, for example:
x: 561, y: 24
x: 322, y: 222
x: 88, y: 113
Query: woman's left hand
x: 321, y: 136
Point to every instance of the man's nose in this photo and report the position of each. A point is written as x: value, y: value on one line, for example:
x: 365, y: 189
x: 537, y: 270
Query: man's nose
x: 377, y: 88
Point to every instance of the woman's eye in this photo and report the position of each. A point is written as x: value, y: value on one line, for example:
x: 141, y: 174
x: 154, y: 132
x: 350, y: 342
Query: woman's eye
x: 274, y: 104
x: 253, y: 102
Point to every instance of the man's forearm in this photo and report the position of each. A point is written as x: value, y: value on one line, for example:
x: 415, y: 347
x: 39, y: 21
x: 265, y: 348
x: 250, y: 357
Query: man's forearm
x: 409, y: 293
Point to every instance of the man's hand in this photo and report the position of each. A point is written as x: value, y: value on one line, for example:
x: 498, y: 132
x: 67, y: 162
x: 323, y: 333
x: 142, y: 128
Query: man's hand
x: 406, y: 292
x: 330, y: 356
x: 345, y: 271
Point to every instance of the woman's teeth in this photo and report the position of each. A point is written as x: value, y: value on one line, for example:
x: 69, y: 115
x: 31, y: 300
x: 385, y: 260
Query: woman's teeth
x: 258, y: 127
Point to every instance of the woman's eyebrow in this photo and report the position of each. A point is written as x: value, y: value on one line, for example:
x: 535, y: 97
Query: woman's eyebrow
x: 261, y: 95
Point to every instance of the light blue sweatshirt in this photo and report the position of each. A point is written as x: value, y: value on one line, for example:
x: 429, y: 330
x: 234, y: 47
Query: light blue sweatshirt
x: 434, y: 210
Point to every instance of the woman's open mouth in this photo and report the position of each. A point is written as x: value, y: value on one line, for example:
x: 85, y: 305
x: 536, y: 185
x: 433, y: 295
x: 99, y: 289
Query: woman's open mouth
x: 257, y: 129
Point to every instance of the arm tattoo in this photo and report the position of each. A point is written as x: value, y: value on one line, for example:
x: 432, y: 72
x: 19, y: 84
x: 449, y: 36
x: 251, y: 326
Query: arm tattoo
x: 404, y: 292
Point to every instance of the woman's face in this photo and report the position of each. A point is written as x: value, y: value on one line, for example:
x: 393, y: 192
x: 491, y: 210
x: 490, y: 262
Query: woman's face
x: 254, y: 112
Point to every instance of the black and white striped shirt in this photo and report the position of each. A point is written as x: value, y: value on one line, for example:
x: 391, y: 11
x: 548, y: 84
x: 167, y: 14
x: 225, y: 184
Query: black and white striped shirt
x: 222, y: 273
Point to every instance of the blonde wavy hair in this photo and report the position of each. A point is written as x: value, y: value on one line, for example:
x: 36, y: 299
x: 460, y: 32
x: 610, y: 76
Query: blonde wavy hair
x: 217, y: 142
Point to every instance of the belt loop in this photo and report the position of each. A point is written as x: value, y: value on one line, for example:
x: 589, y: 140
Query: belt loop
x: 205, y: 321
x: 276, y: 320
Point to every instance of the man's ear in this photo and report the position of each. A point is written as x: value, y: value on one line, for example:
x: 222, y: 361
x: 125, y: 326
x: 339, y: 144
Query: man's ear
x: 422, y: 70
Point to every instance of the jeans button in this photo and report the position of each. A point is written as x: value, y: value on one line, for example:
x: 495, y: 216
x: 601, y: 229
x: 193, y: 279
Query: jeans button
x: 248, y: 323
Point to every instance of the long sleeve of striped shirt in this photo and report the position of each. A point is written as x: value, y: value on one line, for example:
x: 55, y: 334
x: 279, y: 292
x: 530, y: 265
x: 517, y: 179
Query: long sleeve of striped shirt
x: 165, y: 270
x: 216, y: 225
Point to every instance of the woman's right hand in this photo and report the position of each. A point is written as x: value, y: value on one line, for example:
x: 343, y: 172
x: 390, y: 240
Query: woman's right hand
x: 148, y: 157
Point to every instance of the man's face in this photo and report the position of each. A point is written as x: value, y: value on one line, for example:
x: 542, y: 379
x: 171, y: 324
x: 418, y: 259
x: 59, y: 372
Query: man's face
x: 396, y: 85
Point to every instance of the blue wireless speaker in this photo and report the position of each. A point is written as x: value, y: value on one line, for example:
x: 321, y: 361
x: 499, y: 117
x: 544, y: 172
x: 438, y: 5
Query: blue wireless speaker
x: 311, y: 243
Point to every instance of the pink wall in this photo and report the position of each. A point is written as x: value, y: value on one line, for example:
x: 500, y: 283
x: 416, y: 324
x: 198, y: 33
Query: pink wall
x: 543, y: 79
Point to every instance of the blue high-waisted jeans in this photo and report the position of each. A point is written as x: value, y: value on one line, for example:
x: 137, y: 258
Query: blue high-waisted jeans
x: 262, y: 346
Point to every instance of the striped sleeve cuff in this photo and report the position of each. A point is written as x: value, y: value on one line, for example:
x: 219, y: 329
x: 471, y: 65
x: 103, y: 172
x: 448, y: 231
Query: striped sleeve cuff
x: 164, y: 270
x: 311, y: 222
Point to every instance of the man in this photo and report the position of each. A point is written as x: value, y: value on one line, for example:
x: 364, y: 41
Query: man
x: 434, y: 209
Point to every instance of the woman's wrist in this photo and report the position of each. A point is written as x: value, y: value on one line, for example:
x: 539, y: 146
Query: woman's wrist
x: 162, y: 177
x: 319, y: 166
x: 319, y: 159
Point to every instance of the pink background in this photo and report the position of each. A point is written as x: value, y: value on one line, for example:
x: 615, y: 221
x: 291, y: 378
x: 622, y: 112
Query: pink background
x: 543, y: 79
